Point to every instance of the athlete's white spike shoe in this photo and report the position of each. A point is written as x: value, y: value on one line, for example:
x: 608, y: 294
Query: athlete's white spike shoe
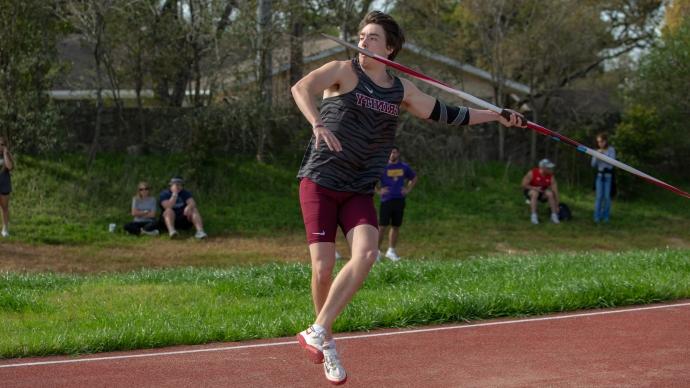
x: 311, y: 340
x: 332, y: 368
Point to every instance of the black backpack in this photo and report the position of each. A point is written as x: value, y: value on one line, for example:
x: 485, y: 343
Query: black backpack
x: 564, y: 213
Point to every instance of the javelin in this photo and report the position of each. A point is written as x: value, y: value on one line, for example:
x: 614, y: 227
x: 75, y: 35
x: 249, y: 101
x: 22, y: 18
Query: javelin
x: 533, y: 126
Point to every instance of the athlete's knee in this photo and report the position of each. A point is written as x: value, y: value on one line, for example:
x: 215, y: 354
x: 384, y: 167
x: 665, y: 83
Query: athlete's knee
x: 533, y: 193
x: 323, y: 274
x: 370, y: 256
x: 549, y: 194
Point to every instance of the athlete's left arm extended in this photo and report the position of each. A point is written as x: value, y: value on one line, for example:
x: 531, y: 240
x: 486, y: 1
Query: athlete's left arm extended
x: 424, y: 106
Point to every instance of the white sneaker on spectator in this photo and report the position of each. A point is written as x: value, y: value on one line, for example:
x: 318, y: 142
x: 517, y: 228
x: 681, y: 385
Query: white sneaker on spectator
x: 200, y: 235
x: 173, y: 234
x: 154, y: 232
x: 332, y: 368
x: 554, y: 218
x: 5, y: 233
x: 534, y: 219
x: 390, y: 253
x: 311, y: 340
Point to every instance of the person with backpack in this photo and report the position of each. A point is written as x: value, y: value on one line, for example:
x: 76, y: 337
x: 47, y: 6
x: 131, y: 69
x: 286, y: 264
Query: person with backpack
x: 539, y: 185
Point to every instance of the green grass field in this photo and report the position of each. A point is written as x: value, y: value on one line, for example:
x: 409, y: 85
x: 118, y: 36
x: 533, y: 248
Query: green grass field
x: 480, y: 207
x: 45, y: 314
x: 68, y: 286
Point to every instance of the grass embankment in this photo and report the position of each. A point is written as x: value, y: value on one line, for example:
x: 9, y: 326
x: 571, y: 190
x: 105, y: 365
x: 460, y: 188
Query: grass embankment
x: 61, y: 212
x: 43, y: 314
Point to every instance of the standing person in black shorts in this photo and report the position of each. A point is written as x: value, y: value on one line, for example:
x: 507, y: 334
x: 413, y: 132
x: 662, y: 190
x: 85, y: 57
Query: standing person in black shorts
x: 397, y: 181
x: 6, y: 165
x: 353, y: 135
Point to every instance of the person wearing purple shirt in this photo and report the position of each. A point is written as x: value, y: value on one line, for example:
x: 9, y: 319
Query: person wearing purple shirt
x: 395, y: 184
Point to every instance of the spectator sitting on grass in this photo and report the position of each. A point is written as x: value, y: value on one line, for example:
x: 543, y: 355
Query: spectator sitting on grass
x: 179, y: 210
x: 539, y: 184
x: 144, y: 212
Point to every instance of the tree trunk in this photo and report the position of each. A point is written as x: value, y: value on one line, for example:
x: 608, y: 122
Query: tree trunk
x: 138, y: 86
x: 98, y: 54
x: 296, y: 41
x: 264, y: 68
x: 498, y: 98
x: 533, y: 134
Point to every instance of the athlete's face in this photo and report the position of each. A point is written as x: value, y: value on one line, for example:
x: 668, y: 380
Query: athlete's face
x: 373, y: 38
x: 394, y: 157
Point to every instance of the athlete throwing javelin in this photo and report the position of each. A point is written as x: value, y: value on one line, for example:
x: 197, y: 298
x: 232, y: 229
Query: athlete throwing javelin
x: 353, y: 134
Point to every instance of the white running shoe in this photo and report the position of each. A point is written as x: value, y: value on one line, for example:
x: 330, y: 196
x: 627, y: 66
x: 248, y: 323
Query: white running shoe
x: 5, y: 233
x: 534, y: 219
x: 390, y: 253
x: 311, y: 340
x: 200, y: 235
x: 173, y: 234
x: 332, y: 368
x: 554, y: 218
x: 154, y: 232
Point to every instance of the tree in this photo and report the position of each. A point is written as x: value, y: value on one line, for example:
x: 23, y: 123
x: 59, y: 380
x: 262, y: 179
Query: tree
x: 28, y: 66
x: 297, y: 14
x: 89, y: 18
x: 658, y: 94
x: 542, y: 45
x: 186, y: 39
x: 129, y: 34
x: 264, y: 67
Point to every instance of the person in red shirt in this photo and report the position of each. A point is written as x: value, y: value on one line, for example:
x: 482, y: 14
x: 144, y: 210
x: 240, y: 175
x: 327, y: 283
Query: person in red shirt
x: 539, y: 184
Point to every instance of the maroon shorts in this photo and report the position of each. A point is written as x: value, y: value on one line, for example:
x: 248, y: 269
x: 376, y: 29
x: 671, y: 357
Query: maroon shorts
x: 324, y: 209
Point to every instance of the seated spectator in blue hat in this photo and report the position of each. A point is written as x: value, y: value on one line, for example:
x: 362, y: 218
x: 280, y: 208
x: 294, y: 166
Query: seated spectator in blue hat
x: 144, y: 212
x: 179, y: 210
x: 540, y: 185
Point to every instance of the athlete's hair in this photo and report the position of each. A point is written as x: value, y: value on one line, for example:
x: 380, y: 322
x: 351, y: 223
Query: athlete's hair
x: 394, y: 34
x: 603, y: 136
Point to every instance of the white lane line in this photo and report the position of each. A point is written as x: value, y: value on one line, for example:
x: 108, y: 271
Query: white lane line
x: 349, y: 337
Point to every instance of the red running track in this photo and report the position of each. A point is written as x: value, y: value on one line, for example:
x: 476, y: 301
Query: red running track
x: 638, y: 346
